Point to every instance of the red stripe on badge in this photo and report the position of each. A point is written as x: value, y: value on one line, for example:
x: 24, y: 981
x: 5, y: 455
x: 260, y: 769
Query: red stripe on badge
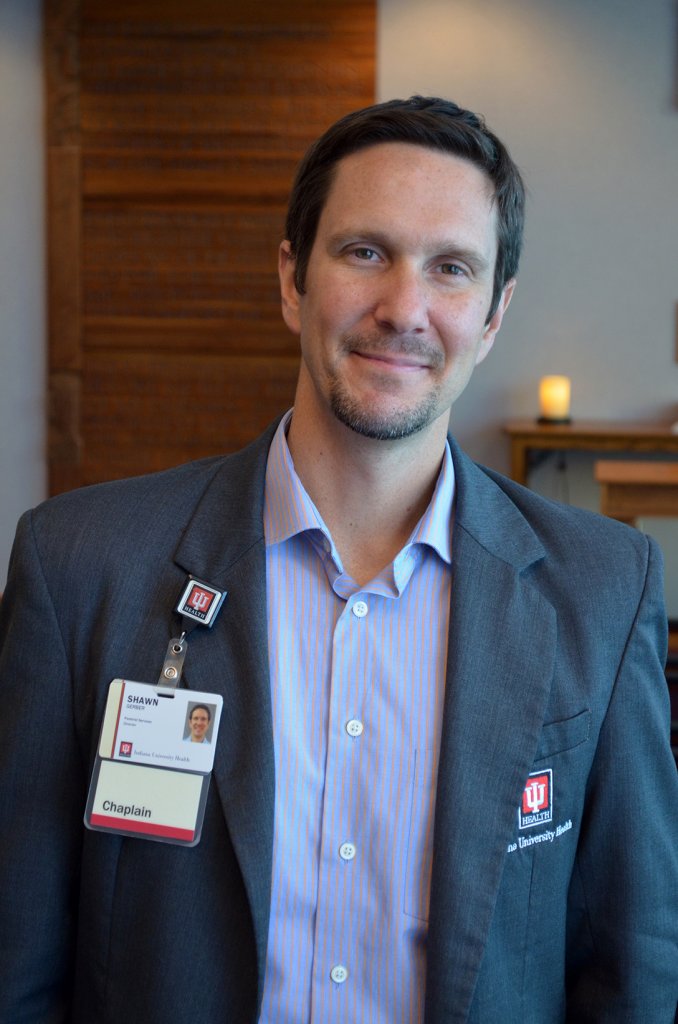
x: 117, y: 721
x: 134, y: 825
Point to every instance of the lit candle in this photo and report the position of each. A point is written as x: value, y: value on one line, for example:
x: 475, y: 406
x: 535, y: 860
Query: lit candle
x: 554, y: 399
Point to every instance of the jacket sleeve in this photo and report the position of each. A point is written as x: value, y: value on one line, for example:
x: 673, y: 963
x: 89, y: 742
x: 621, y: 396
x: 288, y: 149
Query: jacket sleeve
x: 623, y: 950
x: 42, y: 798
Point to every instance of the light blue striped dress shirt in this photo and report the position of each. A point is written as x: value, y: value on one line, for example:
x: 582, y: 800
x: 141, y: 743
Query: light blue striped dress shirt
x: 358, y: 679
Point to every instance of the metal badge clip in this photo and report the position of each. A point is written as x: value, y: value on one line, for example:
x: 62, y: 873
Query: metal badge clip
x: 170, y: 677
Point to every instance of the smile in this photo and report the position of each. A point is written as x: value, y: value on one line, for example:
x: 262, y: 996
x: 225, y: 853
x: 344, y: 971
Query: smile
x: 394, y: 360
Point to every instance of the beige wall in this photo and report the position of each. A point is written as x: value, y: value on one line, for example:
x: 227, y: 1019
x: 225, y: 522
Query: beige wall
x: 583, y: 94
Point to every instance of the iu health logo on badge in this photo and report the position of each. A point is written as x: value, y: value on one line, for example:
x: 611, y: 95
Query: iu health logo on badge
x: 536, y: 807
x: 200, y: 602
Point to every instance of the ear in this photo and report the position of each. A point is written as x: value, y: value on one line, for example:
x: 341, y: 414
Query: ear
x: 288, y: 290
x: 493, y: 325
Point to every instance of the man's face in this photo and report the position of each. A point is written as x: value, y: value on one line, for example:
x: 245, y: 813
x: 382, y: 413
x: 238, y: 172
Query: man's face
x: 199, y: 723
x: 398, y: 289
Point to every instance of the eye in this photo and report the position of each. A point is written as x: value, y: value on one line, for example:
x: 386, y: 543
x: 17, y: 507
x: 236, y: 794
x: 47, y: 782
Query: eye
x: 363, y: 252
x: 452, y: 270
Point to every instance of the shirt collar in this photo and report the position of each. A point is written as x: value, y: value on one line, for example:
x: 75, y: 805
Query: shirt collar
x: 435, y: 526
x: 288, y: 509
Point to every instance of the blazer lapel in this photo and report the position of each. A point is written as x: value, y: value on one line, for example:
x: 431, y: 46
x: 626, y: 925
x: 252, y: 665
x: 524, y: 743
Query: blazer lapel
x: 224, y: 545
x: 500, y: 665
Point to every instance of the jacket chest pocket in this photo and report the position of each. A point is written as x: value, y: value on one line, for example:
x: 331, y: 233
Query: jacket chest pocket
x: 557, y: 737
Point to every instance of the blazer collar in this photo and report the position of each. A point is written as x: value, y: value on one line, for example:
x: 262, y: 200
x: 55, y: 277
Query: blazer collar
x: 500, y: 664
x: 487, y: 514
x: 228, y: 520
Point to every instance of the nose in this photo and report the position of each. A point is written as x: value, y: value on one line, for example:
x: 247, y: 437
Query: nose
x: 402, y: 304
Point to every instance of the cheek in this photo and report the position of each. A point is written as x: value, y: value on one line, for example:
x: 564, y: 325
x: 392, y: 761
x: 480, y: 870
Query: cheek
x: 338, y: 300
x: 463, y: 327
x: 329, y: 318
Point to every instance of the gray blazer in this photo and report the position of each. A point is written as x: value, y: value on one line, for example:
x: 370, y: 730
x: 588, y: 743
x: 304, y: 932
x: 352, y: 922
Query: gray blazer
x: 556, y: 647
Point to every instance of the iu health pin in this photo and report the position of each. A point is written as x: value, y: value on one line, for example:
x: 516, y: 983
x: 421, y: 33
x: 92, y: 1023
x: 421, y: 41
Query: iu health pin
x: 200, y: 602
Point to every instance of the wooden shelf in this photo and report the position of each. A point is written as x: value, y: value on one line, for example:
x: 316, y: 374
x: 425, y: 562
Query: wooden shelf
x: 629, y: 490
x: 528, y: 438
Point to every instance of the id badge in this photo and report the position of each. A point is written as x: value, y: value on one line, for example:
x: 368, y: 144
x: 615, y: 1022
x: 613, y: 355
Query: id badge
x: 154, y: 760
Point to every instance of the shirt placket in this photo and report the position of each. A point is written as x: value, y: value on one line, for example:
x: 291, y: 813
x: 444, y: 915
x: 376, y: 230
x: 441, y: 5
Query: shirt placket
x: 336, y: 972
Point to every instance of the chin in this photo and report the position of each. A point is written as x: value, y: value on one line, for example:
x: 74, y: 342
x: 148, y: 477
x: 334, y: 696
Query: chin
x: 388, y: 425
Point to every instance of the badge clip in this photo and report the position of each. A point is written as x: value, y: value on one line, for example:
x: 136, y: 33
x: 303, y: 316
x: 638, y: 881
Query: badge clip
x: 173, y: 665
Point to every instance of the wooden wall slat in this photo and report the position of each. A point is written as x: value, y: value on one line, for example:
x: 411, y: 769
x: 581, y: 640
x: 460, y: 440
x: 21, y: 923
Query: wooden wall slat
x: 265, y: 19
x: 64, y: 261
x: 174, y: 131
x: 65, y: 432
x: 215, y: 238
x: 61, y: 61
x: 171, y: 177
x: 177, y: 293
x: 239, y: 333
x: 64, y: 257
x: 139, y: 415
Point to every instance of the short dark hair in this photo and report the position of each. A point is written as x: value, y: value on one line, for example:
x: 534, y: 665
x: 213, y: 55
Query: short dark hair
x: 422, y: 121
x: 200, y: 707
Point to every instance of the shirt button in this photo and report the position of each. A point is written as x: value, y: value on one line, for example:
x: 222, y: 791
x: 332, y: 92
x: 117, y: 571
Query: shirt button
x: 339, y: 974
x: 359, y: 609
x: 347, y: 851
x: 354, y: 727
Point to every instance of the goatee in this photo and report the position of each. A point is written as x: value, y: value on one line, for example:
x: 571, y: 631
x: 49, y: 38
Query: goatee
x: 400, y: 421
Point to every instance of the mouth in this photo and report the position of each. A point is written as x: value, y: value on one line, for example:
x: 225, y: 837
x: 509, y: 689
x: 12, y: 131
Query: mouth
x: 391, y: 354
x: 393, y: 360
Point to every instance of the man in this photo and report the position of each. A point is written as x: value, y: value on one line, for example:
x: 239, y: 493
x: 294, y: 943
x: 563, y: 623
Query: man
x: 442, y: 788
x: 198, y: 723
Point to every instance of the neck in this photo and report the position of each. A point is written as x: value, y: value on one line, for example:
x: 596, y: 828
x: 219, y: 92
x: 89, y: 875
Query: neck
x: 370, y: 493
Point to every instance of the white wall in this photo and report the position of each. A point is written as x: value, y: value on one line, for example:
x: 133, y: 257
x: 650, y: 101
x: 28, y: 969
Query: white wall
x: 22, y: 279
x: 582, y: 94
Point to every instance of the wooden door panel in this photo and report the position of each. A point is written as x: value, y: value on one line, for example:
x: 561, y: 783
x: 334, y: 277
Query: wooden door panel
x: 173, y: 134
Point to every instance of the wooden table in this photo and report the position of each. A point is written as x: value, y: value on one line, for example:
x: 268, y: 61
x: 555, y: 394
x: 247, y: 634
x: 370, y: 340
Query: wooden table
x: 632, y: 489
x: 529, y: 439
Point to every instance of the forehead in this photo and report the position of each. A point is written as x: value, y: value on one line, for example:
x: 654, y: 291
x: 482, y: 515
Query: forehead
x: 412, y: 185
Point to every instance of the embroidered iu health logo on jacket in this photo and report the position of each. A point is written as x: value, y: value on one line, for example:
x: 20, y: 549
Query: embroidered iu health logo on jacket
x: 536, y: 807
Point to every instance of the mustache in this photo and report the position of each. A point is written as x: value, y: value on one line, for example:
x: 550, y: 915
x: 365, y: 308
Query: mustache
x: 378, y: 343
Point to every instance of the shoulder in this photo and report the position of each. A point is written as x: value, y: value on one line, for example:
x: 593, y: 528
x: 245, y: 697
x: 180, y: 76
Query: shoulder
x: 603, y: 581
x: 137, y: 521
x: 151, y: 501
x: 108, y: 499
x: 493, y: 504
x: 570, y: 532
x: 570, y: 554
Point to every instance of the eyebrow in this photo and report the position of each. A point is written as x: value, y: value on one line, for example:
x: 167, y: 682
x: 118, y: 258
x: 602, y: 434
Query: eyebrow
x: 447, y: 249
